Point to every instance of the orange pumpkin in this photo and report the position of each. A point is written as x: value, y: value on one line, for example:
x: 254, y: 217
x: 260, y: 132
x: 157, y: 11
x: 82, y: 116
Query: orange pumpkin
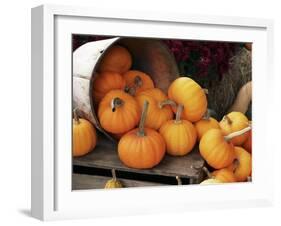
x: 185, y: 91
x: 159, y: 110
x: 116, y: 59
x: 233, y: 122
x: 84, y: 136
x: 180, y: 135
x: 217, y: 149
x: 141, y: 148
x: 224, y: 175
x: 205, y: 124
x: 106, y: 81
x: 118, y: 112
x: 137, y: 81
x: 248, y: 143
x: 242, y: 166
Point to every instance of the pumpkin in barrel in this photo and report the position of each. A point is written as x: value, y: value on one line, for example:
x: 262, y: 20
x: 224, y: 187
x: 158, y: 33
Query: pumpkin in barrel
x: 118, y: 112
x: 137, y: 81
x: 116, y: 59
x: 105, y: 82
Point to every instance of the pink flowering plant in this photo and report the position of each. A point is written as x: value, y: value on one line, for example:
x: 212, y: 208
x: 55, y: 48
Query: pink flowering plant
x: 204, y: 61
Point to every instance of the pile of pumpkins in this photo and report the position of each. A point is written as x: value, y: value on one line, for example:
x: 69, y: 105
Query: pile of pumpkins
x: 150, y: 123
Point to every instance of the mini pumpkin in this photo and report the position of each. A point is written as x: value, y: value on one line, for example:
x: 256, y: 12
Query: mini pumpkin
x: 242, y: 166
x: 116, y: 59
x: 84, y: 136
x: 141, y: 148
x: 248, y: 143
x: 137, y: 81
x: 105, y: 82
x: 224, y: 175
x: 205, y: 124
x: 180, y: 135
x: 118, y: 112
x: 159, y: 110
x: 217, y: 149
x: 113, y: 183
x: 232, y: 122
x: 186, y: 91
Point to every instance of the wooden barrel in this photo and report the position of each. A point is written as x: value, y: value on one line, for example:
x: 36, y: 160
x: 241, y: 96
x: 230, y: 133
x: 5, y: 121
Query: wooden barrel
x: 149, y: 55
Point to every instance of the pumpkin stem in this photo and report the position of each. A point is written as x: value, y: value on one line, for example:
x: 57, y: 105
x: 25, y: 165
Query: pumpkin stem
x: 167, y: 102
x: 141, y: 131
x: 179, y: 180
x: 207, y: 172
x: 113, y: 174
x: 207, y: 115
x: 75, y: 115
x: 235, y: 165
x: 229, y: 121
x: 138, y: 81
x: 116, y: 102
x: 237, y: 133
x: 206, y: 91
x: 178, y: 114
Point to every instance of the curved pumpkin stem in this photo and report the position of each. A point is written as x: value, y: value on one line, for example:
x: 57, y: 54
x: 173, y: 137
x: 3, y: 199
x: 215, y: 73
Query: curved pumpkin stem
x: 179, y: 180
x: 75, y: 115
x: 141, y: 131
x: 237, y: 133
x: 167, y: 102
x: 207, y: 172
x: 207, y: 115
x: 115, y: 103
x: 229, y: 121
x: 206, y: 91
x: 178, y: 114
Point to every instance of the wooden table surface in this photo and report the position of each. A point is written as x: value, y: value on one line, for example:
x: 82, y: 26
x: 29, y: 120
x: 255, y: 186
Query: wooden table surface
x: 105, y: 156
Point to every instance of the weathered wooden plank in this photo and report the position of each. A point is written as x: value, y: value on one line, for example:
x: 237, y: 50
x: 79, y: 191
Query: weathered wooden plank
x: 83, y: 181
x: 105, y: 156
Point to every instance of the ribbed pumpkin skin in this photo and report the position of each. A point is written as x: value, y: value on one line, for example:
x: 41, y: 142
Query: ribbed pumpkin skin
x: 185, y: 91
x: 116, y: 59
x: 124, y: 118
x: 147, y: 82
x: 105, y: 82
x: 224, y: 175
x: 238, y: 122
x: 84, y: 137
x: 141, y: 152
x: 180, y: 137
x: 113, y: 184
x: 156, y: 116
x: 248, y: 143
x: 156, y: 93
x: 203, y: 125
x: 244, y: 168
x: 217, y: 152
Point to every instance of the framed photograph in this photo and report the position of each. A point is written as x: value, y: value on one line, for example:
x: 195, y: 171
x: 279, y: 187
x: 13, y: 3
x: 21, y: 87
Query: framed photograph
x: 135, y: 112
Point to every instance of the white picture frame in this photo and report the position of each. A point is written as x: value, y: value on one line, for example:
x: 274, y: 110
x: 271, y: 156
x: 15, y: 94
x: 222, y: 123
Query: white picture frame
x: 52, y: 197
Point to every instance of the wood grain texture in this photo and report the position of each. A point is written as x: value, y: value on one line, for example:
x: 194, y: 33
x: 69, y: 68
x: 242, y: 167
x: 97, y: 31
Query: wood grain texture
x: 82, y: 181
x: 105, y: 156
